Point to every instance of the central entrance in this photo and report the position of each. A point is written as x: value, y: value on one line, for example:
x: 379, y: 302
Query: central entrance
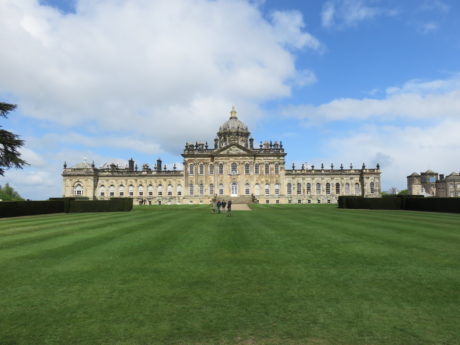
x: 234, y: 189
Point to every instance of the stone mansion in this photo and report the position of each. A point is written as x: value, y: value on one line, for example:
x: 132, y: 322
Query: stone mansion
x: 232, y: 168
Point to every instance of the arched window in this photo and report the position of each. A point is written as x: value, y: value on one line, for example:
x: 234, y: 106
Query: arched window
x: 246, y: 169
x: 179, y: 189
x: 267, y: 169
x: 211, y: 169
x: 121, y: 190
x: 221, y: 189
x: 318, y: 189
x: 140, y: 190
x: 201, y: 169
x: 328, y: 188
x: 357, y: 189
x: 277, y: 189
x: 372, y: 188
x: 257, y: 189
x: 337, y: 188
x: 101, y: 190
x: 191, y: 188
x: 308, y: 188
x: 277, y: 168
x: 150, y: 189
x: 221, y: 169
x: 201, y: 189
x: 131, y: 190
x: 78, y: 190
x: 234, y: 169
x: 211, y: 189
x: 160, y: 190
x: 347, y: 188
x: 190, y: 169
x: 289, y: 189
x: 256, y: 169
x: 170, y: 189
x: 112, y: 190
x: 247, y: 189
x: 299, y: 188
x: 267, y: 189
x: 234, y: 188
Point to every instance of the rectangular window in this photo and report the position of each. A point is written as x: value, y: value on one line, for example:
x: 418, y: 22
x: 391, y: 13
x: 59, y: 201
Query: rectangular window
x: 201, y: 169
x: 191, y: 188
x: 190, y: 169
x: 112, y: 193
x: 267, y: 169
x: 256, y: 169
x: 141, y: 193
x: 246, y: 169
x: 277, y: 169
x: 201, y: 189
x: 211, y: 189
x: 211, y: 169
x: 299, y: 201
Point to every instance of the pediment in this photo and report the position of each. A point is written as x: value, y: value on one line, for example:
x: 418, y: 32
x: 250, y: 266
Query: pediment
x: 233, y: 150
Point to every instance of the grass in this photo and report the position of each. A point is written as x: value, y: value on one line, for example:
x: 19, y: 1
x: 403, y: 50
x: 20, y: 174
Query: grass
x: 277, y: 275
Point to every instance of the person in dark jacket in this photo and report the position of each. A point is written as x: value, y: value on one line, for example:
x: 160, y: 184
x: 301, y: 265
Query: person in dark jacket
x: 219, y: 204
x: 223, y: 206
x: 229, y: 208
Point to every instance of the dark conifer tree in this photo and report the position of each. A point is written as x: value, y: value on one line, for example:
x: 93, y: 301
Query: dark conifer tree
x: 9, y: 144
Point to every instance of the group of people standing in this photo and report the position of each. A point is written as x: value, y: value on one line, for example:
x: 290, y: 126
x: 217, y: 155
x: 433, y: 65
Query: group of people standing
x: 219, y: 206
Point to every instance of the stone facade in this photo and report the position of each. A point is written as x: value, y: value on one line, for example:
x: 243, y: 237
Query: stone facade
x: 232, y: 168
x: 430, y: 183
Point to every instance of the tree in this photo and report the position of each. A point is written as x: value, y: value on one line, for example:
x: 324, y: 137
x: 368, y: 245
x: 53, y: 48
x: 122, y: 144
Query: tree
x: 404, y: 192
x: 7, y: 193
x: 9, y: 144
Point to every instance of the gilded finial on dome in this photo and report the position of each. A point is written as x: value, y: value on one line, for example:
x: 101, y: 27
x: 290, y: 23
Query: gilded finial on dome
x: 233, y: 113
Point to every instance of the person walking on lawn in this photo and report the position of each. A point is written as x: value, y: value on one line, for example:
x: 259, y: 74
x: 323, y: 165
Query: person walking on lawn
x: 218, y: 206
x: 214, y: 205
x: 223, y: 206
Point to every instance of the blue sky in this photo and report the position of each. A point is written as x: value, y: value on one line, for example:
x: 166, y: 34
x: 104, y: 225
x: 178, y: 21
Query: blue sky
x: 338, y: 81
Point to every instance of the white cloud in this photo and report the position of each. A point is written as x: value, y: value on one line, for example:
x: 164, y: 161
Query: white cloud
x: 344, y: 13
x: 434, y: 5
x: 438, y: 99
x: 162, y: 69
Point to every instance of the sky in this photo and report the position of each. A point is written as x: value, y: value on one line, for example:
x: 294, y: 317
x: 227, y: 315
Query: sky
x: 337, y: 81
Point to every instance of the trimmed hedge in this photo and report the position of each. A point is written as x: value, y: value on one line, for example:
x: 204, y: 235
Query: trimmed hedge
x: 112, y: 205
x: 63, y: 205
x: 414, y: 203
x: 29, y: 208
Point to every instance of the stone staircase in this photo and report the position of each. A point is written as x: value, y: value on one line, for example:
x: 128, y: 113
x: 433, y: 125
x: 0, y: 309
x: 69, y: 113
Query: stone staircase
x: 243, y: 199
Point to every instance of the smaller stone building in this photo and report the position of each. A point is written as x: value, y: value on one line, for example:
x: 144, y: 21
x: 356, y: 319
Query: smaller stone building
x: 430, y: 183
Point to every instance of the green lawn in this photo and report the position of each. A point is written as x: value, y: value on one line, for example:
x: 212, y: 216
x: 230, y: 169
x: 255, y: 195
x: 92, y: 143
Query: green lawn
x: 293, y: 274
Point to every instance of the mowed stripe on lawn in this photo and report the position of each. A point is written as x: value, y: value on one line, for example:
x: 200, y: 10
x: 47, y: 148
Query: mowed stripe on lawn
x: 280, y: 274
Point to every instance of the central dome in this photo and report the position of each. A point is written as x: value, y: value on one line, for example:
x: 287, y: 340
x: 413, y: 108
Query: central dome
x: 233, y: 131
x: 233, y: 124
